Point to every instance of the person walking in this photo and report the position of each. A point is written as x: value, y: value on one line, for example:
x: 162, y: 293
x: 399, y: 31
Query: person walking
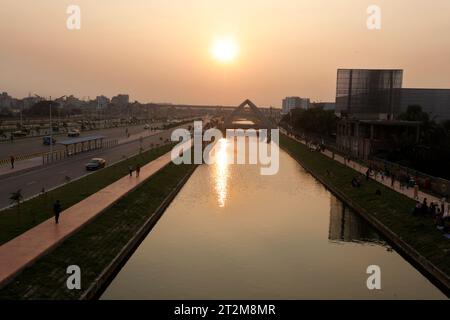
x: 12, y: 160
x: 416, y: 191
x: 443, y: 201
x: 130, y: 170
x: 138, y: 170
x: 57, y: 210
x: 393, y: 181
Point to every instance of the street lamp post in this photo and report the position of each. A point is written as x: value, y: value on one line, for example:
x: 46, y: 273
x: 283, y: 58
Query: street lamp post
x: 51, y: 130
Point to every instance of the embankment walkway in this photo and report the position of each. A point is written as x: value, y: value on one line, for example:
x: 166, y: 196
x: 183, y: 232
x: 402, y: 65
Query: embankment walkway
x: 32, y: 244
x: 409, y: 192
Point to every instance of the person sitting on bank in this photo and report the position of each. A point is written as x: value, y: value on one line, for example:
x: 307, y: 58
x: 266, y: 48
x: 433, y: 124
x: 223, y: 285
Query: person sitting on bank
x: 417, y: 208
x: 368, y: 174
x: 439, y: 220
x: 355, y: 183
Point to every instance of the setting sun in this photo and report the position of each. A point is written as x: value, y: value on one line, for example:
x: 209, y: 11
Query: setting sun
x: 225, y: 49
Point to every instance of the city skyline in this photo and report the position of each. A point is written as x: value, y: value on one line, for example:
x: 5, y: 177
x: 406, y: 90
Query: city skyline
x: 114, y: 51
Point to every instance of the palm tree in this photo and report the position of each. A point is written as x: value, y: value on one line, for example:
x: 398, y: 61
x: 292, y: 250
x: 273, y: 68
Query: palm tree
x: 16, y: 198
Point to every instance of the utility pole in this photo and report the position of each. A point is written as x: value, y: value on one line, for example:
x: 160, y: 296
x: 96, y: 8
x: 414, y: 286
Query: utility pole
x: 51, y: 124
x: 51, y: 130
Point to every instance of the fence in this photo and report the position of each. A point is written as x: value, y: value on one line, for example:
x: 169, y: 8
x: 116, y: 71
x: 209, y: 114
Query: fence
x: 5, y: 162
x: 50, y: 157
x: 437, y: 185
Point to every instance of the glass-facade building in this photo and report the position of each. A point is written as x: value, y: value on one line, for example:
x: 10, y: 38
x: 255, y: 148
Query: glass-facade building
x: 368, y: 93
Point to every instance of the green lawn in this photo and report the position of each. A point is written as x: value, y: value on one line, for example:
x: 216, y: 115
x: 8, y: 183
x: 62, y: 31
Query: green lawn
x: 391, y: 208
x: 96, y: 244
x: 39, y: 209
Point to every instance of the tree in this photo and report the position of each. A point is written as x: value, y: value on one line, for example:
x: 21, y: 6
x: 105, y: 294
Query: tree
x: 312, y: 121
x: 414, y: 113
x: 431, y: 154
x: 16, y: 198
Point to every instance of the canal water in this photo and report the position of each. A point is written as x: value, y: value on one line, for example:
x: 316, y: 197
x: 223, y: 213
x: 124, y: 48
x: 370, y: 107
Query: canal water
x: 232, y: 233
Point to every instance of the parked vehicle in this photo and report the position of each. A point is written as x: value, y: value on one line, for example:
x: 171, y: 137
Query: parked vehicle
x: 95, y: 164
x: 147, y: 126
x: 19, y: 133
x: 73, y: 133
x: 46, y: 140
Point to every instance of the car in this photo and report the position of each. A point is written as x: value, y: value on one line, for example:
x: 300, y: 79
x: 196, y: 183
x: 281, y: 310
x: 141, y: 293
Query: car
x: 95, y: 164
x: 73, y: 133
x: 147, y: 126
x: 19, y: 133
x: 46, y: 140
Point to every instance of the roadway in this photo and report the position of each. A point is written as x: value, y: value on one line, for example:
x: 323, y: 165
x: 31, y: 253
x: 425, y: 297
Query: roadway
x: 50, y: 176
x: 35, y: 145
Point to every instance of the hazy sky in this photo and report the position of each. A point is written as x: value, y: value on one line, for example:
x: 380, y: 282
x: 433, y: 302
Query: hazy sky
x: 160, y: 50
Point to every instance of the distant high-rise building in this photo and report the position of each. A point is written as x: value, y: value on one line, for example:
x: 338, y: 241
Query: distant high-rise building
x: 28, y: 102
x: 368, y: 94
x: 121, y: 100
x: 290, y: 103
x: 102, y: 102
x: 73, y: 101
x: 6, y: 101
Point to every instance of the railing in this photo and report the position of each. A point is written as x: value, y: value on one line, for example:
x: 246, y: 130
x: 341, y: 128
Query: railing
x: 4, y: 162
x: 50, y: 157
x: 437, y: 185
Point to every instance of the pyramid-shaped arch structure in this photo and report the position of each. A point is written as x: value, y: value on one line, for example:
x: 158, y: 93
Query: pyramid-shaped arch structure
x: 265, y: 123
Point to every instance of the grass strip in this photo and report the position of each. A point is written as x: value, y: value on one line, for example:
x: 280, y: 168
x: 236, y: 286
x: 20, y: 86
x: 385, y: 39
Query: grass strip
x: 14, y: 222
x: 97, y: 244
x: 391, y: 208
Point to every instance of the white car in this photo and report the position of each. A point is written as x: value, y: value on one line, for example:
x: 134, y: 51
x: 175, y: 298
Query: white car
x: 73, y: 133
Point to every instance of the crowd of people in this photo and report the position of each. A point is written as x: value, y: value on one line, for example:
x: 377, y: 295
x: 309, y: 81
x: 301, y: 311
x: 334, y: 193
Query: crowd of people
x: 439, y: 212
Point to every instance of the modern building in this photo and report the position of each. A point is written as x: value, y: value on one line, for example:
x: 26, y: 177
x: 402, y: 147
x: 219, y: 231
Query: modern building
x: 102, y: 102
x: 369, y: 94
x: 72, y: 101
x: 436, y: 102
x: 6, y: 101
x: 290, y: 103
x: 121, y: 100
x: 30, y: 101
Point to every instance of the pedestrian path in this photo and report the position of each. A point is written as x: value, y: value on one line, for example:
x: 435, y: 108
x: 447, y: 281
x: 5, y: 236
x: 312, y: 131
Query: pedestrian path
x: 29, y: 246
x: 141, y: 135
x: 409, y: 192
x: 20, y: 165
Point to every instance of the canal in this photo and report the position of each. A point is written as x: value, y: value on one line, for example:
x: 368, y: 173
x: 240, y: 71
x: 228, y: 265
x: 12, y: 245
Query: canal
x: 232, y: 233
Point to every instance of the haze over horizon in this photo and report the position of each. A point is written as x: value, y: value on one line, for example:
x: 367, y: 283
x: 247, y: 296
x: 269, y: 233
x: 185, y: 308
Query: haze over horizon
x: 160, y: 51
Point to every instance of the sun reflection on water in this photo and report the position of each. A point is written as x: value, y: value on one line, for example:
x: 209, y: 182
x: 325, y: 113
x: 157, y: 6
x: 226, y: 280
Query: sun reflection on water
x: 221, y: 172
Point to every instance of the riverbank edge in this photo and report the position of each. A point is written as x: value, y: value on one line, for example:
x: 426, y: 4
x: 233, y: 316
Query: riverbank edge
x: 96, y: 289
x: 437, y: 276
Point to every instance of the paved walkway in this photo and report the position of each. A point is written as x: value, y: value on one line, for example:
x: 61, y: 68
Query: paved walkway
x: 26, y: 248
x: 141, y: 135
x: 409, y: 192
x: 20, y: 165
